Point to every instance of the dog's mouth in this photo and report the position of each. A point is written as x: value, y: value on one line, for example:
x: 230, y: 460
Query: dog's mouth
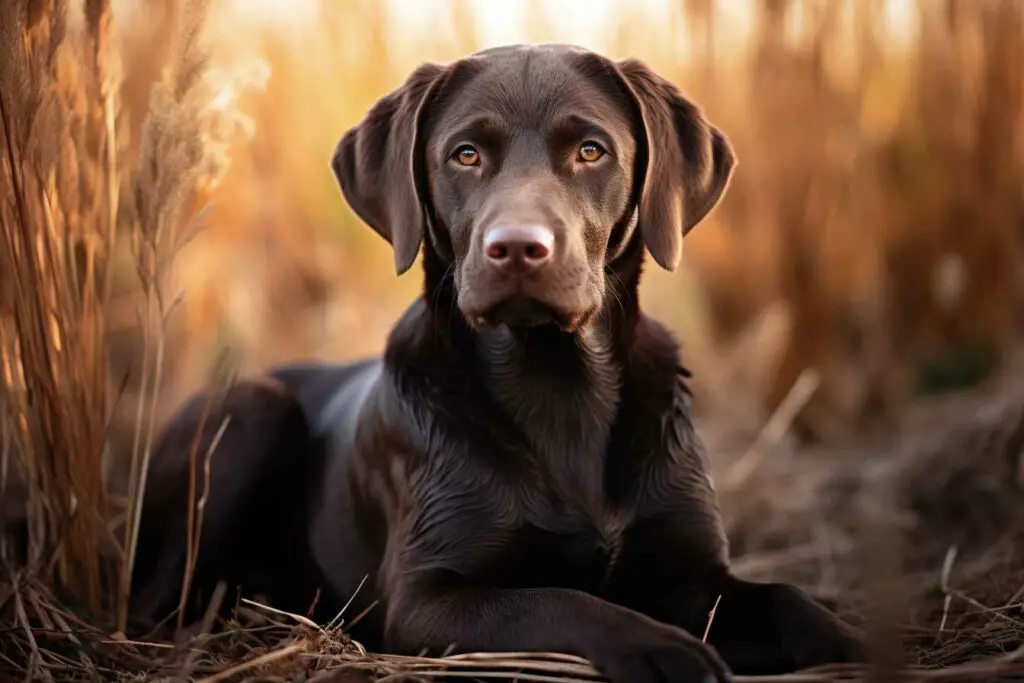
x: 521, y: 311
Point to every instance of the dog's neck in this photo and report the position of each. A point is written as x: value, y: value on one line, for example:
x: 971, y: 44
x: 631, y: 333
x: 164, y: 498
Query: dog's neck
x: 560, y: 389
x: 543, y: 375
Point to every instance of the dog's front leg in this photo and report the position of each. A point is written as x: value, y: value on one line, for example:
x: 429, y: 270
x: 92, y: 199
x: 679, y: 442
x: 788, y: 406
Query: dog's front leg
x: 624, y: 645
x: 757, y: 628
x: 674, y: 563
x: 765, y: 628
x: 449, y: 582
x: 797, y: 632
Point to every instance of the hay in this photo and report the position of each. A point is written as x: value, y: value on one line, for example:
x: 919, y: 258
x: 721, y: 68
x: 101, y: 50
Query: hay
x: 944, y: 491
x: 257, y: 646
x: 50, y: 642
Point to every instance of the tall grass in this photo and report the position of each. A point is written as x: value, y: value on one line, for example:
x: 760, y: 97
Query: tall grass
x: 80, y: 210
x: 162, y: 184
x: 879, y: 199
x: 59, y: 227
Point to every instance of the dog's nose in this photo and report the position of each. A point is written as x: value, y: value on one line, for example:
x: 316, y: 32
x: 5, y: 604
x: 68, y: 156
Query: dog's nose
x: 525, y: 247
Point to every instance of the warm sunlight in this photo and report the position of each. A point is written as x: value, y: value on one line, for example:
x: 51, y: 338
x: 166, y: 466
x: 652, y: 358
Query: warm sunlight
x: 590, y: 23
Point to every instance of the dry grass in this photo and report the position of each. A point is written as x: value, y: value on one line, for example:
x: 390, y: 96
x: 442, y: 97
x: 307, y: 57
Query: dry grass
x: 875, y: 224
x: 166, y: 175
x: 65, y: 227
x: 58, y: 234
x: 879, y: 201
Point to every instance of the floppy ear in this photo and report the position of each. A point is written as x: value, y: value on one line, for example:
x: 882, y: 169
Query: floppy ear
x: 688, y: 163
x: 378, y: 167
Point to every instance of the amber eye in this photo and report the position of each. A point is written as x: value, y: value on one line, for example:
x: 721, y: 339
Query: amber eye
x: 467, y: 155
x: 591, y: 151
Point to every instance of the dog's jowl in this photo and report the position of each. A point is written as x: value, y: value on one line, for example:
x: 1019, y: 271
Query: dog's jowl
x: 518, y: 471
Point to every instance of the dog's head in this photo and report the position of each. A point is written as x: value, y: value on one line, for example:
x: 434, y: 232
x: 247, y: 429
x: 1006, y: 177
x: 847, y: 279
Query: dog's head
x: 528, y: 169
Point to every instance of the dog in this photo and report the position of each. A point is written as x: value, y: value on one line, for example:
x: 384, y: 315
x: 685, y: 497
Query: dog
x: 519, y: 470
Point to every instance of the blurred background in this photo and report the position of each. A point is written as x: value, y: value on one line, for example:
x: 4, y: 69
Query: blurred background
x: 871, y: 240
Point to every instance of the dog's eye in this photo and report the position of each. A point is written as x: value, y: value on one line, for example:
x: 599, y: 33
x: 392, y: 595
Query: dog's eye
x: 467, y: 155
x: 590, y: 152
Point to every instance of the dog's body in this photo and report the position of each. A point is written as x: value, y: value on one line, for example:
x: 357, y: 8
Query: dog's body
x: 519, y: 471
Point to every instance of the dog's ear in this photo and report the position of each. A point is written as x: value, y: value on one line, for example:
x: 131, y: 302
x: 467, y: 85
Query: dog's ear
x: 688, y: 165
x: 378, y: 166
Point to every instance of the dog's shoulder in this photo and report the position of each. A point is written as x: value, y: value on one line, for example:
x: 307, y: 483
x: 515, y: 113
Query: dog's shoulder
x: 656, y: 406
x: 427, y: 362
x: 655, y: 362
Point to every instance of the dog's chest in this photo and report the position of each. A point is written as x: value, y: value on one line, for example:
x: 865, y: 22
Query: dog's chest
x: 573, y: 521
x: 564, y: 412
x: 567, y: 548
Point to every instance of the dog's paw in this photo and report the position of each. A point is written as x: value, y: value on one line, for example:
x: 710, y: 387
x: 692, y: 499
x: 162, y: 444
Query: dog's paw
x: 812, y: 635
x: 656, y: 652
x: 832, y: 644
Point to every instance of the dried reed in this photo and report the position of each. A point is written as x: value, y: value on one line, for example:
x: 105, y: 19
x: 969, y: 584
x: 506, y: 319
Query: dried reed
x: 170, y: 159
x: 879, y: 197
x: 61, y: 217
x: 53, y: 263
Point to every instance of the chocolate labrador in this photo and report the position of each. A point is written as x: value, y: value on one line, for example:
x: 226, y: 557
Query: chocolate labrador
x: 519, y: 470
